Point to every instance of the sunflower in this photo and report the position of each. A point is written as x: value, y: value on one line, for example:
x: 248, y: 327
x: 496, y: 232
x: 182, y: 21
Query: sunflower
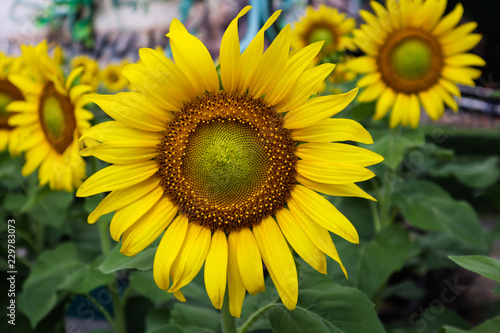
x: 414, y: 57
x: 90, y: 74
x: 112, y: 76
x: 50, y: 119
x: 220, y: 169
x: 9, y: 137
x: 324, y: 24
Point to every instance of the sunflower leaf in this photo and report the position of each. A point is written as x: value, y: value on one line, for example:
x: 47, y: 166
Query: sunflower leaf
x: 115, y: 261
x: 482, y: 265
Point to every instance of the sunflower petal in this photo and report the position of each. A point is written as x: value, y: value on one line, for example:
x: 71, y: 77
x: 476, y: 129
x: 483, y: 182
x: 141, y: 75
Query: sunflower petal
x: 249, y: 261
x: 236, y: 288
x: 216, y: 268
x: 335, y: 129
x: 342, y: 190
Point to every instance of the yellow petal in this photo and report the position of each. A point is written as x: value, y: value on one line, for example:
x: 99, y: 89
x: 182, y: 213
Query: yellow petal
x: 251, y: 56
x: 369, y: 79
x: 333, y: 172
x: 318, y: 109
x: 335, y: 129
x: 307, y: 85
x: 399, y: 109
x: 384, y: 103
x: 249, y: 261
x: 271, y: 65
x: 457, y: 75
x: 449, y: 21
x: 116, y: 177
x: 121, y: 198
x: 340, y: 152
x: 126, y: 216
x: 300, y: 242
x: 235, y: 286
x: 148, y: 228
x: 179, y: 296
x: 464, y: 59
x: 120, y: 135
x: 194, y: 60
x: 372, y: 92
x: 191, y: 256
x: 168, y: 249
x: 463, y: 45
x: 363, y: 64
x: 72, y: 76
x: 230, y: 58
x: 413, y: 111
x: 343, y: 190
x: 450, y: 87
x: 216, y: 268
x: 172, y: 81
x: 34, y: 158
x: 279, y: 260
x: 294, y: 68
x: 133, y: 109
x: 324, y: 213
x: 320, y: 235
x: 123, y: 155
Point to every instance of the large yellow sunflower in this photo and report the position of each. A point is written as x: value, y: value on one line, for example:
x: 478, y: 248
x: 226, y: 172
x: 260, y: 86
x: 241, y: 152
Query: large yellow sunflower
x: 414, y: 57
x: 324, y: 24
x: 50, y: 120
x: 9, y: 137
x: 220, y: 169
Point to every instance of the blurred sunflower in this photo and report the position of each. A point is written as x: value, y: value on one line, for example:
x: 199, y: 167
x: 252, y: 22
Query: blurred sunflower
x: 220, y: 169
x: 9, y: 137
x: 90, y: 74
x: 413, y: 57
x: 112, y: 76
x: 50, y: 119
x: 324, y: 24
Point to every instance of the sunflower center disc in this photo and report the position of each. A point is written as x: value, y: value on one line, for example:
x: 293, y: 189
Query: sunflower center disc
x: 226, y: 161
x: 320, y: 34
x: 57, y: 118
x: 411, y: 59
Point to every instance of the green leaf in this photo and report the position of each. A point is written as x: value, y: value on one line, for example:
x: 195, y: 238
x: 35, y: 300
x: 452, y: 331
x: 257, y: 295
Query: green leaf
x: 50, y: 207
x: 195, y: 319
x: 144, y: 284
x: 393, y: 144
x: 370, y: 264
x: 427, y: 206
x: 485, y: 266
x: 168, y: 329
x: 52, y: 270
x: 324, y: 306
x: 489, y: 326
x: 115, y: 261
x: 475, y: 174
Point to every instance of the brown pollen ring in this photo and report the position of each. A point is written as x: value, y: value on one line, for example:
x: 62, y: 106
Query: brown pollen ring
x: 15, y: 94
x: 264, y: 196
x: 69, y: 125
x: 402, y: 85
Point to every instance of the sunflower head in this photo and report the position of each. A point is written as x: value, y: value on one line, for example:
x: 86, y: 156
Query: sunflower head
x: 9, y: 137
x: 324, y: 24
x: 112, y: 76
x: 414, y: 57
x: 228, y: 168
x: 50, y: 119
x: 90, y: 74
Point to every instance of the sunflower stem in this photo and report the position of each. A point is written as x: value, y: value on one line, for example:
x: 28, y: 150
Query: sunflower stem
x: 256, y: 315
x: 118, y: 307
x: 228, y: 321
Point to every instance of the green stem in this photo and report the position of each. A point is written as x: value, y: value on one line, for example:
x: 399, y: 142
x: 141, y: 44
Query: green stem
x: 228, y: 321
x: 104, y: 238
x: 102, y: 309
x: 376, y: 216
x: 118, y: 307
x: 256, y: 315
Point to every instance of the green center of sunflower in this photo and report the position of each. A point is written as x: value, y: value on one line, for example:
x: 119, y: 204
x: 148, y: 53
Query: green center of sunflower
x: 57, y: 117
x: 8, y: 93
x: 226, y: 161
x: 53, y: 116
x: 322, y: 34
x: 5, y: 99
x: 411, y: 59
